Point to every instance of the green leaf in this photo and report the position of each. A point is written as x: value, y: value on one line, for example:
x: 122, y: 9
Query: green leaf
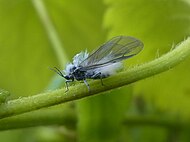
x: 25, y: 51
x: 79, y: 23
x: 160, y: 25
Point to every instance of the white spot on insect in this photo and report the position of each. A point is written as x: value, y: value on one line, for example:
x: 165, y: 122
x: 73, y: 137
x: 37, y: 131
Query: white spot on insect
x: 68, y: 68
x: 77, y: 59
x: 110, y: 69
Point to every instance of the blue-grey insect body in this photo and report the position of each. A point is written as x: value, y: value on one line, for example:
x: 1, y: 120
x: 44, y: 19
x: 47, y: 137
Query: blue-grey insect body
x: 102, y: 62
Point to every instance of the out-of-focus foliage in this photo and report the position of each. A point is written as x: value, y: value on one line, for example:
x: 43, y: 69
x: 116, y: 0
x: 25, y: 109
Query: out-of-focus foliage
x: 160, y: 24
x: 26, y: 54
x: 79, y: 23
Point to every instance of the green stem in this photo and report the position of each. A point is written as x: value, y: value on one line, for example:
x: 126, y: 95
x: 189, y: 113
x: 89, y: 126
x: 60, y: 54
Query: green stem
x: 51, y: 31
x: 67, y: 117
x: 57, y: 115
x: 165, y: 62
x: 3, y: 95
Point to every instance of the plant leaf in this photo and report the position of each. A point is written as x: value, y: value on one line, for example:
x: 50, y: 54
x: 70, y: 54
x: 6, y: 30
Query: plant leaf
x: 160, y: 25
x: 25, y: 51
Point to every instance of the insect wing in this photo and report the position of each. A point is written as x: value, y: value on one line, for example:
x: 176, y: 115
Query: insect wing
x: 115, y: 50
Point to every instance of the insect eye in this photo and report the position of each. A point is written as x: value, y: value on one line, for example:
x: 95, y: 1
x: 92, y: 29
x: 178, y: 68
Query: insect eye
x: 67, y: 77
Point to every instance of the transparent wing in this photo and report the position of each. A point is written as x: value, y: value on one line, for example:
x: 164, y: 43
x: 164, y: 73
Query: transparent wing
x: 115, y: 50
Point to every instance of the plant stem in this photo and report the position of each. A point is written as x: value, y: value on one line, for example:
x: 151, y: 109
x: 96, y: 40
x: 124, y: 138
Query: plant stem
x: 165, y: 62
x: 51, y: 31
x: 3, y: 95
x: 49, y: 116
x: 67, y: 117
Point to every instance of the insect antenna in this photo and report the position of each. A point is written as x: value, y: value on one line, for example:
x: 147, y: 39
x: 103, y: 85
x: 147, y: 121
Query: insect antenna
x: 55, y: 69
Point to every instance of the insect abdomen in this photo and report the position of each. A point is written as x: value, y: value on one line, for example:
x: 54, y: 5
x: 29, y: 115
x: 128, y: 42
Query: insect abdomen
x: 95, y: 75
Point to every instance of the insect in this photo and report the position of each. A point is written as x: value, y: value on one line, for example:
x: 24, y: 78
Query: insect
x: 102, y: 62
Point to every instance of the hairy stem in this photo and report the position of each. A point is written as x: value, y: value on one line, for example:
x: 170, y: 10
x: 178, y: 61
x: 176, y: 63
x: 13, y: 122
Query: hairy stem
x: 3, y: 95
x: 165, y: 62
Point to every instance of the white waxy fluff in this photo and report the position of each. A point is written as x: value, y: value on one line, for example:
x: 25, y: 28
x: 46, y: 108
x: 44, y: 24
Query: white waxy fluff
x: 68, y: 68
x: 109, y: 69
x: 106, y: 70
x: 79, y: 58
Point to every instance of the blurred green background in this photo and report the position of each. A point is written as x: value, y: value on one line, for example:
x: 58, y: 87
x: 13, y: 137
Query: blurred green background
x: 155, y: 109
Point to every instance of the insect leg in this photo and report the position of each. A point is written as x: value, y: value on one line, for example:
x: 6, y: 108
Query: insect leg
x: 66, y: 83
x: 101, y: 80
x: 86, y: 83
x: 99, y: 75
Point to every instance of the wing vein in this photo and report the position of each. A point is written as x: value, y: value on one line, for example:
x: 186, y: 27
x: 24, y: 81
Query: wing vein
x: 115, y: 50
